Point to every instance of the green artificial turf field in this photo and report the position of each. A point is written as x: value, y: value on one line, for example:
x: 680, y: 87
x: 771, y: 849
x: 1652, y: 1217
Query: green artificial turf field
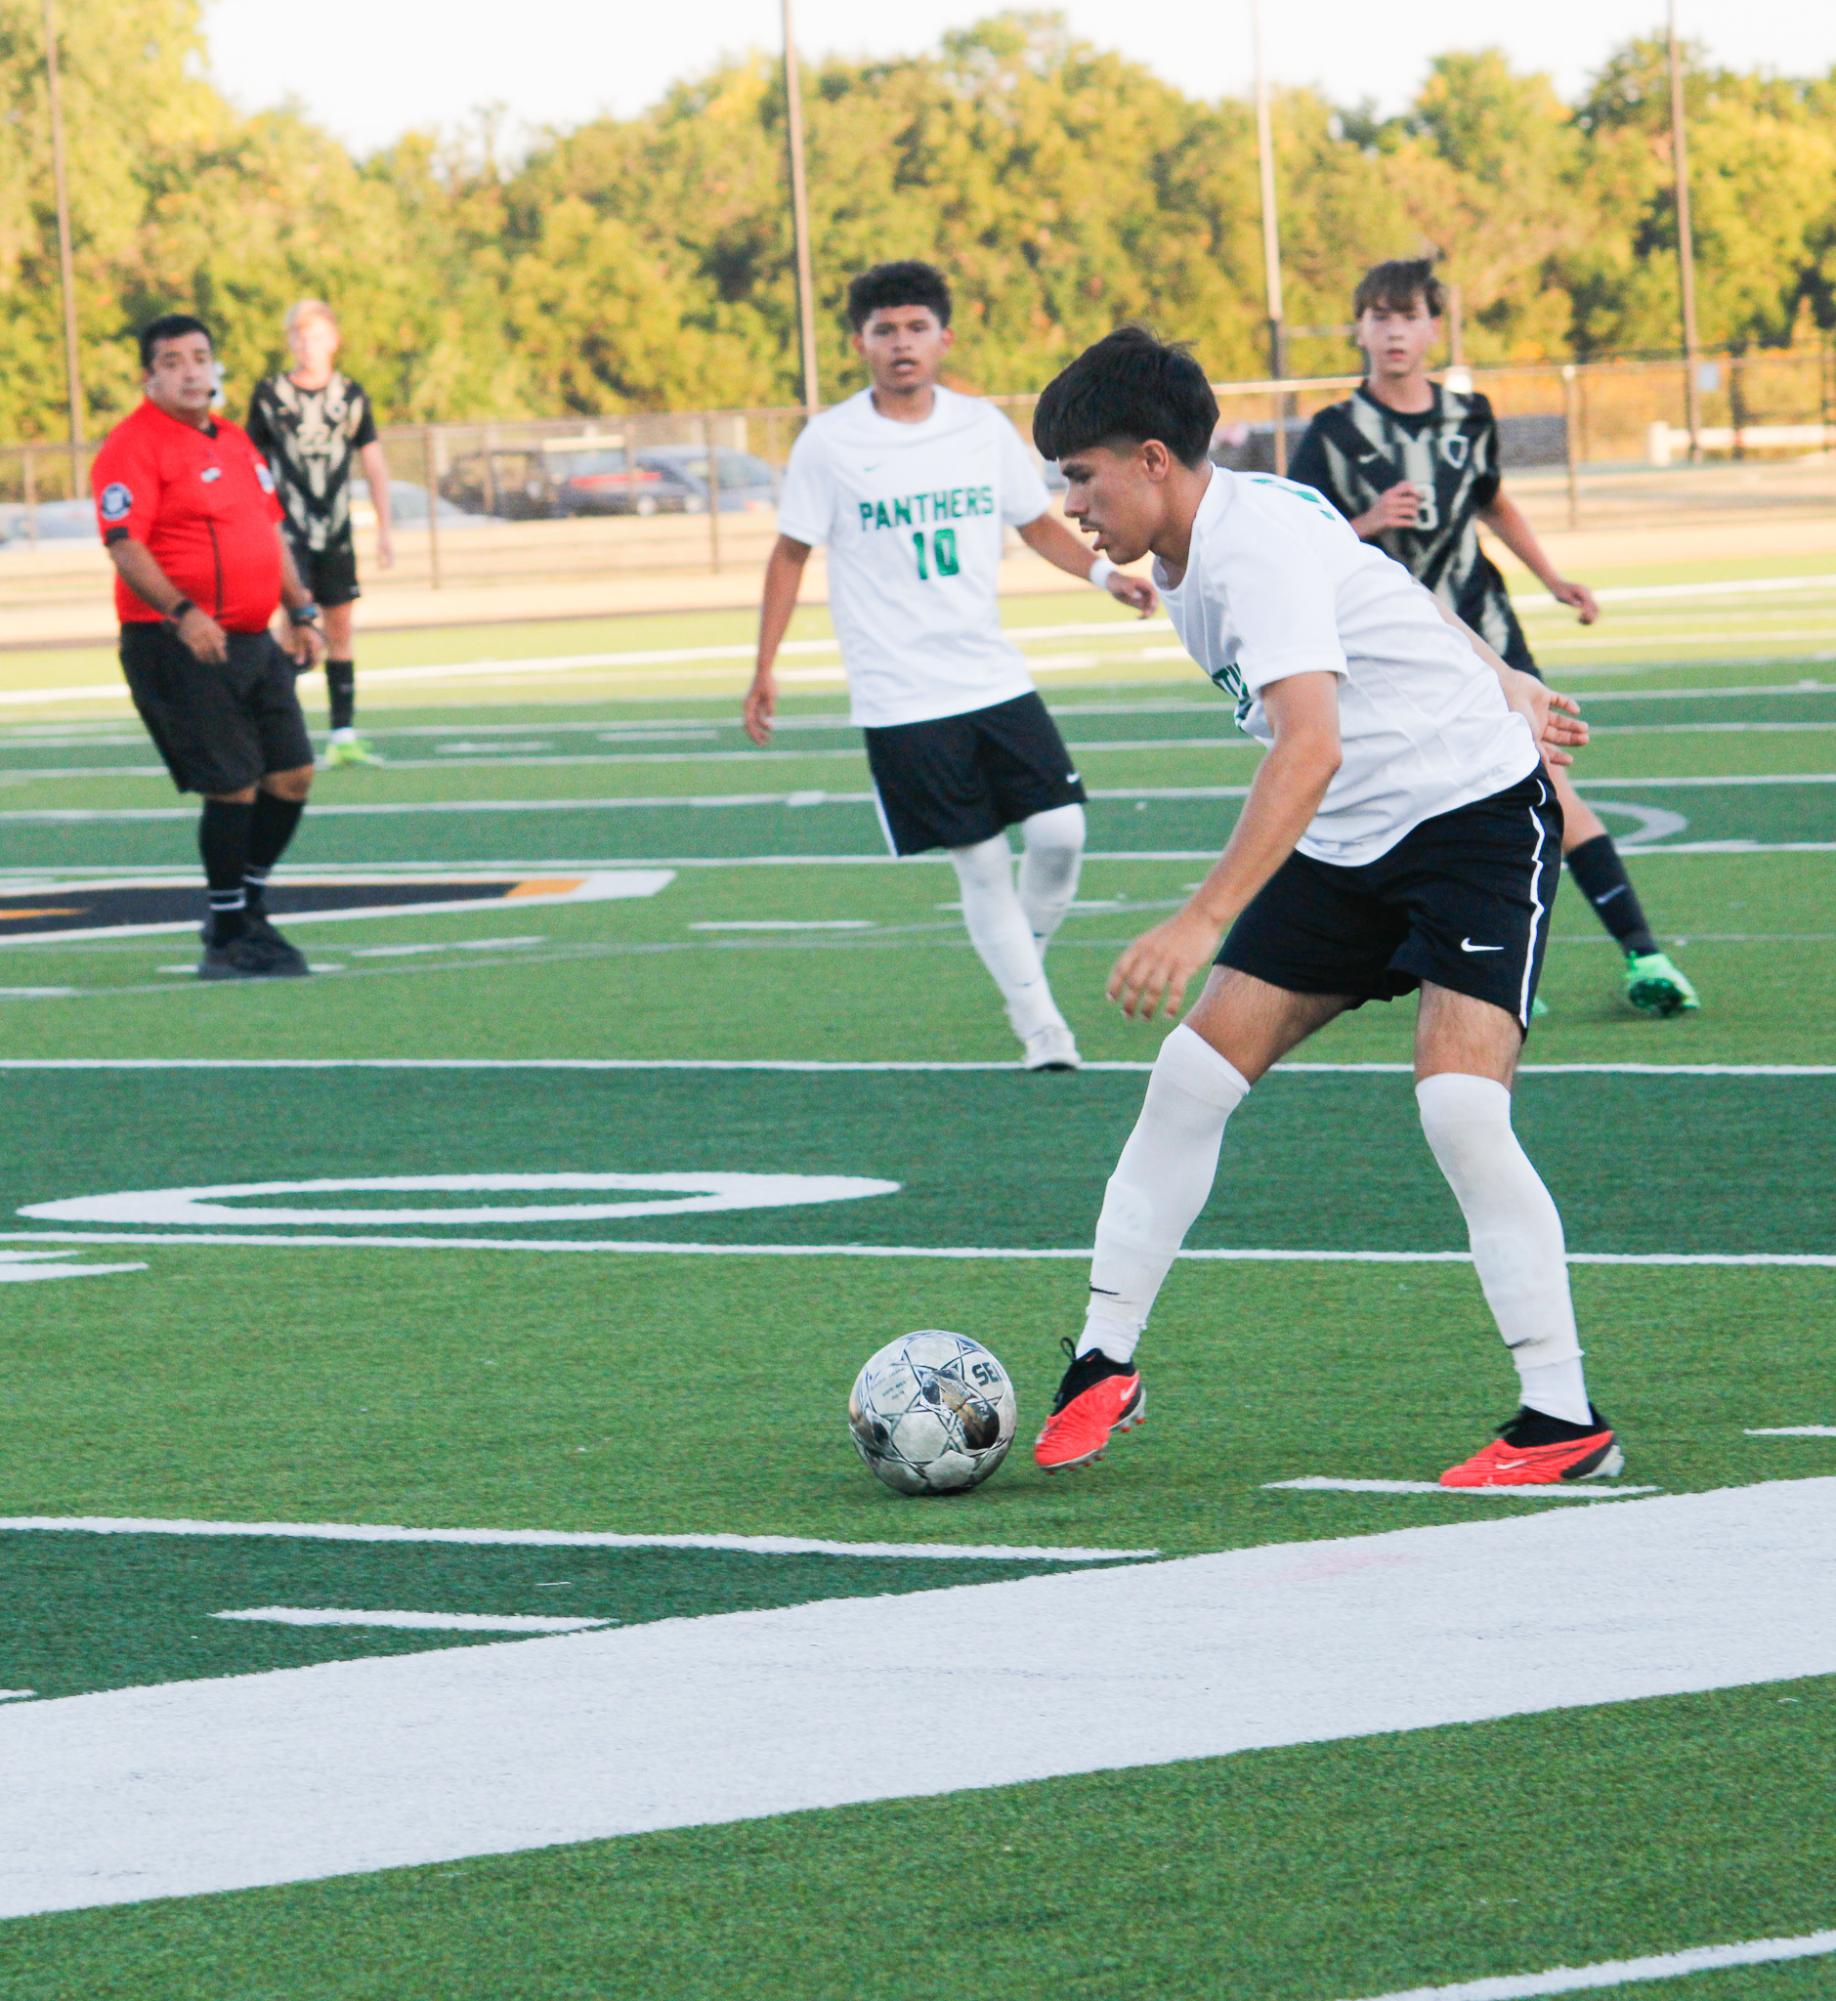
x: 435, y: 1561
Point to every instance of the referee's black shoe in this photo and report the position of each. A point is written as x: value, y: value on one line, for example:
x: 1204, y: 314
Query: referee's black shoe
x: 249, y: 956
x: 290, y: 960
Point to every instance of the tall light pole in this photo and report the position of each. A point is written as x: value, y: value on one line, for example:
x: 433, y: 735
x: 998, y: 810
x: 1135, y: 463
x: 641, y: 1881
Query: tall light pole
x: 73, y: 384
x: 800, y: 215
x: 1271, y: 247
x: 1686, y: 248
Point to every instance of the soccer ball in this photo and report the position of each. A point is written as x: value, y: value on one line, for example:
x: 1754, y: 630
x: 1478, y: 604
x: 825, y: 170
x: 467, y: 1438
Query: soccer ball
x: 932, y: 1413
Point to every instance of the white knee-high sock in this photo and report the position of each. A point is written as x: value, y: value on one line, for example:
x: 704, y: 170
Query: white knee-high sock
x: 1001, y: 935
x: 1050, y: 858
x: 1516, y: 1236
x: 1159, y: 1187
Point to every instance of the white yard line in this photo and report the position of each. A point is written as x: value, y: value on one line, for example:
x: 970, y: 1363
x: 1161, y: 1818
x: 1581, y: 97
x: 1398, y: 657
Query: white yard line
x: 945, y: 1253
x: 1578, y: 1491
x: 414, y: 1622
x: 1624, y: 1972
x: 656, y: 729
x: 704, y: 802
x: 1795, y: 1431
x: 49, y: 876
x: 516, y: 758
x: 745, y: 1545
x: 847, y: 1066
x: 226, y: 1783
x: 784, y: 924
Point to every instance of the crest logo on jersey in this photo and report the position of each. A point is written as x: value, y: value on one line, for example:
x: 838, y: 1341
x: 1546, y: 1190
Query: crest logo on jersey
x: 1457, y: 449
x: 263, y: 476
x: 117, y: 501
x: 211, y: 474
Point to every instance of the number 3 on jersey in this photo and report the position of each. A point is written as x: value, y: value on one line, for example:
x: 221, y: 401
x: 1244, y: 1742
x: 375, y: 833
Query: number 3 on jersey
x: 942, y: 557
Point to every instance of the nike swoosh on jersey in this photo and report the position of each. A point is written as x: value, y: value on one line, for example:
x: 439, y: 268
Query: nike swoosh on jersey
x: 1467, y: 945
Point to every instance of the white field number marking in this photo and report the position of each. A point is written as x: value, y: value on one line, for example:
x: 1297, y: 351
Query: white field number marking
x: 218, y: 1784
x: 418, y: 1622
x: 227, y: 1202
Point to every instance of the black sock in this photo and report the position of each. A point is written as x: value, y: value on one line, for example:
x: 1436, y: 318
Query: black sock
x: 272, y: 828
x: 341, y: 683
x: 223, y: 842
x: 1601, y: 875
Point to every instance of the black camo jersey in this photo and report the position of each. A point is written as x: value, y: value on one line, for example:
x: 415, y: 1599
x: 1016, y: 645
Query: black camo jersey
x: 311, y: 438
x: 1357, y: 450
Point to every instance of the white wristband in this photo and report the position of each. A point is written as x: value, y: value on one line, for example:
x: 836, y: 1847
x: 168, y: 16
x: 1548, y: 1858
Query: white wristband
x: 1100, y: 573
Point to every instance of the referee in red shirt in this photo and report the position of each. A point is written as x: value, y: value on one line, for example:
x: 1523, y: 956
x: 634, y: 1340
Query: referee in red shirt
x: 187, y: 511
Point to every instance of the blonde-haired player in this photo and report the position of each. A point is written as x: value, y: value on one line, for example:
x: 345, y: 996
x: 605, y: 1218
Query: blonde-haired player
x: 312, y: 423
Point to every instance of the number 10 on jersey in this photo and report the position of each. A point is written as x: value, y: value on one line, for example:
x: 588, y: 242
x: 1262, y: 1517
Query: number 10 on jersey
x: 941, y: 559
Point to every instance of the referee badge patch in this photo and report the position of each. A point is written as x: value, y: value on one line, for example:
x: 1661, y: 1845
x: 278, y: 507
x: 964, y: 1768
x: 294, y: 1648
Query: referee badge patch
x: 117, y: 501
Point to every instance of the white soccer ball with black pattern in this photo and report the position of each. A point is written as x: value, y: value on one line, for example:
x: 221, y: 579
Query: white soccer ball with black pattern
x: 932, y: 1413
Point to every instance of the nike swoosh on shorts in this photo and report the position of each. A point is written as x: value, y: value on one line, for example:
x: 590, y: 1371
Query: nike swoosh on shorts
x: 1467, y: 945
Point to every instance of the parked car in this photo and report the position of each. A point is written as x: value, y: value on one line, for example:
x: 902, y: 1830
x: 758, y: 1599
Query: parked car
x: 515, y: 483
x: 408, y: 505
x: 612, y: 480
x: 747, y: 483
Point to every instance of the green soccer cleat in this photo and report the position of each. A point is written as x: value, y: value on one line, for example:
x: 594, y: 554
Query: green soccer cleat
x: 350, y: 750
x: 1654, y: 985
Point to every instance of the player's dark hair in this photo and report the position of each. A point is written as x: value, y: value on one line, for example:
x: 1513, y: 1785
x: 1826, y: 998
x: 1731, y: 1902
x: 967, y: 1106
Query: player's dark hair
x: 169, y: 326
x: 1126, y: 389
x: 906, y: 283
x: 1394, y: 287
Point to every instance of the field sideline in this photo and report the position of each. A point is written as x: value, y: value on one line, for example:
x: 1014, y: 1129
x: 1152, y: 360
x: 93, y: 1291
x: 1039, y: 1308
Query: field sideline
x: 437, y: 1561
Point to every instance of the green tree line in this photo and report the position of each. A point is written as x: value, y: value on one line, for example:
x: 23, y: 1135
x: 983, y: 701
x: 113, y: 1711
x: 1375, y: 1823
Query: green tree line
x: 645, y: 263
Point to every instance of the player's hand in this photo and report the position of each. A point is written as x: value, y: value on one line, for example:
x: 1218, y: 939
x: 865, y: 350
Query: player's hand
x: 306, y: 643
x: 761, y: 706
x: 1555, y: 720
x: 204, y: 636
x: 1399, y: 507
x: 1136, y: 592
x: 385, y: 549
x: 1578, y: 597
x: 1158, y: 967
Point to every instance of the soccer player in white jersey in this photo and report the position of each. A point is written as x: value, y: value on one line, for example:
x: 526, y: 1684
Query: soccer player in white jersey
x: 1401, y: 833
x: 912, y: 487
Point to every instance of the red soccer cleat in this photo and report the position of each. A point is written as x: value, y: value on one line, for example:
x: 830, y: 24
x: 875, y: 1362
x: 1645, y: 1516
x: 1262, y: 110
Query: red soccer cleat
x: 1098, y: 1397
x: 1535, y: 1450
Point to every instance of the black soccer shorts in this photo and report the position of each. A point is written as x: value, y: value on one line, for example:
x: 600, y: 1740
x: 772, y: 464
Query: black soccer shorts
x: 220, y: 726
x: 957, y: 780
x: 329, y: 574
x: 1462, y: 901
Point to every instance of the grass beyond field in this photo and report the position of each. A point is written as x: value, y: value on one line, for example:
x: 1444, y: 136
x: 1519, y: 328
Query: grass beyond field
x: 435, y: 1561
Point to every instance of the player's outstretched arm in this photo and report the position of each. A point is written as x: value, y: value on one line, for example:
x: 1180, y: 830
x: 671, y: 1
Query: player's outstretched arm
x: 1555, y: 720
x: 1303, y: 711
x: 1506, y: 520
x: 1047, y: 536
x: 783, y: 580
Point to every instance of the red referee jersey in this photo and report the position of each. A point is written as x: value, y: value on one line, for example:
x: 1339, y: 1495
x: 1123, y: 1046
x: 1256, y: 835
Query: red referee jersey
x: 203, y: 504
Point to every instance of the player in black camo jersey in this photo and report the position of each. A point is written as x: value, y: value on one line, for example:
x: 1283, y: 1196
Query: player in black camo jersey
x: 1414, y: 466
x: 315, y: 426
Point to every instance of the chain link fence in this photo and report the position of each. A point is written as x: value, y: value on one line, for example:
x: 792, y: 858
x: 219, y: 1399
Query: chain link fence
x: 520, y: 502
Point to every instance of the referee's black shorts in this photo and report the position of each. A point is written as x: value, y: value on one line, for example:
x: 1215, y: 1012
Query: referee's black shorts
x: 221, y: 726
x: 1462, y: 901
x: 958, y: 780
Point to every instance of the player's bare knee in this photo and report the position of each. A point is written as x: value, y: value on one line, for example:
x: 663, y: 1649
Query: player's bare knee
x: 293, y: 785
x: 246, y: 797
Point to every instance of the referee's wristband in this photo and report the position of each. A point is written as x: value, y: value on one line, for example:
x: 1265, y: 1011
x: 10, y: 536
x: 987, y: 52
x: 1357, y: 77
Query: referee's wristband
x: 176, y: 614
x: 1100, y: 573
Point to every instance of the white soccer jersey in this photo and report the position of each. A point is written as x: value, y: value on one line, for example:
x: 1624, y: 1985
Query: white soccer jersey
x: 1277, y: 584
x: 913, y: 516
